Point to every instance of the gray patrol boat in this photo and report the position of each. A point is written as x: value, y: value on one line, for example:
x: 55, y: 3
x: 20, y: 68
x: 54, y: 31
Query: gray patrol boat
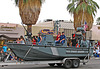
x: 48, y: 50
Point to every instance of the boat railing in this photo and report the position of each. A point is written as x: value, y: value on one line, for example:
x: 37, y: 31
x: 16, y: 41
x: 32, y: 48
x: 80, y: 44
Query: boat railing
x: 12, y: 42
x: 34, y: 43
x: 15, y: 42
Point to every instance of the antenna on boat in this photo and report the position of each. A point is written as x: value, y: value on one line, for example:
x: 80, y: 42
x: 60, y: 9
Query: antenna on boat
x: 28, y: 34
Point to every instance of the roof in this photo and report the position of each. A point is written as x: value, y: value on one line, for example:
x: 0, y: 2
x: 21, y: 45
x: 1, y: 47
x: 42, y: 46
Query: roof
x: 45, y: 24
x: 9, y: 25
x: 11, y: 30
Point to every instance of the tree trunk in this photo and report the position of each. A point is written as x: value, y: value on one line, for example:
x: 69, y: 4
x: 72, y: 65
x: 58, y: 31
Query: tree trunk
x: 29, y: 12
x: 29, y: 28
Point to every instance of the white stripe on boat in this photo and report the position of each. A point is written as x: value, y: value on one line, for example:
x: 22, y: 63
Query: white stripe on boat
x: 54, y: 51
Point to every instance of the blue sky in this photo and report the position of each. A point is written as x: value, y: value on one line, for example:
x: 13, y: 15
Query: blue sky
x: 51, y: 9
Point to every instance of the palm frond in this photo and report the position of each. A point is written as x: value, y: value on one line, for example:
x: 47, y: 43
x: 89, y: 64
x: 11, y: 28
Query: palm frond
x: 70, y: 6
x: 94, y: 3
x: 73, y: 0
x: 83, y: 6
x: 72, y: 10
x: 16, y: 1
x: 98, y: 19
x: 89, y: 10
x: 93, y: 13
x: 77, y: 9
x: 25, y: 1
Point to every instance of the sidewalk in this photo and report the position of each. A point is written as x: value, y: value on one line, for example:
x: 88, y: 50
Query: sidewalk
x: 95, y: 58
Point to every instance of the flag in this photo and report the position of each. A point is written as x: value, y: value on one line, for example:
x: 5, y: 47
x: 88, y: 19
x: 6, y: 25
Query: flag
x: 85, y: 26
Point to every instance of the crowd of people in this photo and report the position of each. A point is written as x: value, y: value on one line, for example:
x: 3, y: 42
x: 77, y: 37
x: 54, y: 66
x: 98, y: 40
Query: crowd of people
x: 96, y: 50
x: 5, y: 52
x: 20, y: 40
x: 60, y: 39
x: 37, y: 39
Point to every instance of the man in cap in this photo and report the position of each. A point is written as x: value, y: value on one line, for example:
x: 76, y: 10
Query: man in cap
x: 74, y: 41
x: 62, y: 38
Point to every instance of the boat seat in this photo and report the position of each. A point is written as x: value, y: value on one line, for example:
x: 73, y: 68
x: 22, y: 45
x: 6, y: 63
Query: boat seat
x: 84, y: 43
x: 48, y: 40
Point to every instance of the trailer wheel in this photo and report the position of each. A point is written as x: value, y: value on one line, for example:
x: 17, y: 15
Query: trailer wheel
x: 68, y: 63
x: 51, y: 64
x: 59, y: 64
x: 76, y: 63
x: 2, y: 65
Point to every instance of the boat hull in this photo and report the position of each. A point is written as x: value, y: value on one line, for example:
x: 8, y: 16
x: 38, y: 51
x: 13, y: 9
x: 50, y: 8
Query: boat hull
x: 34, y: 53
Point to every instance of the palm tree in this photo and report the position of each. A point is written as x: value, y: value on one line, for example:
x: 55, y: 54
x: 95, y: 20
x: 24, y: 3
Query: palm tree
x: 83, y: 10
x: 29, y: 11
x: 98, y: 21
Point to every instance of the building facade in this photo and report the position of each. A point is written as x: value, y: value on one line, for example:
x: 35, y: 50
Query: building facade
x: 58, y: 26
x: 10, y: 32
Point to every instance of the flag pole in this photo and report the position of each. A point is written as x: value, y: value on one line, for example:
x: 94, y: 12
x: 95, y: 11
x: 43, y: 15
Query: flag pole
x: 82, y: 18
x: 82, y: 25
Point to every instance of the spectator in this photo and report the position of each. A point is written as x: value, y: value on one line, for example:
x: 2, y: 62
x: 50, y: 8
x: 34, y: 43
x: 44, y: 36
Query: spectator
x: 4, y: 51
x: 96, y: 51
x: 39, y: 39
x: 97, y: 48
x: 18, y: 40
x: 34, y: 41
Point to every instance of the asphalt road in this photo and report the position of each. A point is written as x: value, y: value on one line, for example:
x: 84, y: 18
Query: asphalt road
x: 92, y: 64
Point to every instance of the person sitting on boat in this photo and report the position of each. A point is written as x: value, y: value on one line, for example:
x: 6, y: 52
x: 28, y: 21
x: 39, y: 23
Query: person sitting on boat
x: 58, y: 37
x: 34, y: 41
x: 62, y: 38
x: 39, y: 39
x: 73, y: 41
x: 22, y: 41
x: 18, y: 40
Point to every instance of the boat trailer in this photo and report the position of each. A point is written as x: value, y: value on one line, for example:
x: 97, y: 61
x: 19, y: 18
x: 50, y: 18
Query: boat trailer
x: 66, y: 62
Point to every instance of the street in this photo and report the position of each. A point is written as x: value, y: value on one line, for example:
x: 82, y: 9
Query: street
x: 92, y: 64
